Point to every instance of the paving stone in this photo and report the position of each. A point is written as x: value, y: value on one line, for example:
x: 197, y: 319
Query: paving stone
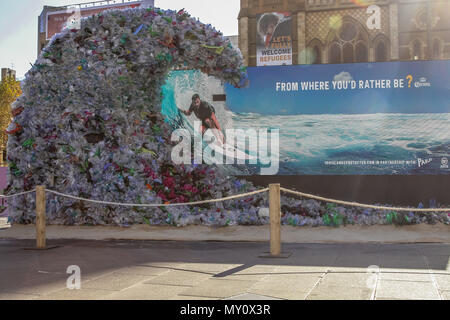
x: 196, y: 270
x: 279, y: 293
x: 398, y: 262
x: 346, y: 279
x: 403, y: 276
x: 218, y: 288
x: 443, y: 281
x: 404, y: 270
x: 146, y: 292
x: 33, y: 283
x: 299, y: 269
x: 82, y: 294
x: 406, y: 290
x: 315, y: 260
x: 345, y: 270
x: 210, y: 267
x: 182, y: 278
x: 285, y: 286
x: 17, y: 296
x: 445, y: 295
x: 253, y: 273
x: 163, y: 265
x: 143, y: 270
x: 390, y: 299
x: 332, y: 292
x: 438, y: 262
x: 435, y: 249
x: 114, y: 281
x: 359, y: 261
x: 178, y: 297
x: 251, y: 296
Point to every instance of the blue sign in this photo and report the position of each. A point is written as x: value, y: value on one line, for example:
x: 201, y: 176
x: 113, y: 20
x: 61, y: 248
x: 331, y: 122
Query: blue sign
x: 351, y: 119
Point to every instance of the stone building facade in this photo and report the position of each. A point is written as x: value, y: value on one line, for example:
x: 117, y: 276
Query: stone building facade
x: 6, y: 72
x: 343, y: 31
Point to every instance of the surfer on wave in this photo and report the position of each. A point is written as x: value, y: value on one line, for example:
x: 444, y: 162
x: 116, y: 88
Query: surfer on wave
x: 207, y: 114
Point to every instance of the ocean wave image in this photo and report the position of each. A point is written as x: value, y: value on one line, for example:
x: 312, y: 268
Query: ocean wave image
x: 322, y: 144
x: 369, y: 144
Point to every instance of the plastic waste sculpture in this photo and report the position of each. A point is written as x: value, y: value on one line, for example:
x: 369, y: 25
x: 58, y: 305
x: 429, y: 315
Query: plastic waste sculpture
x: 88, y: 123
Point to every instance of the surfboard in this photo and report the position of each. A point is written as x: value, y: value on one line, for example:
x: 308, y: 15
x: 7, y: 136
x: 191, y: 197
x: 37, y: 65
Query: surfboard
x: 226, y: 149
x: 229, y: 151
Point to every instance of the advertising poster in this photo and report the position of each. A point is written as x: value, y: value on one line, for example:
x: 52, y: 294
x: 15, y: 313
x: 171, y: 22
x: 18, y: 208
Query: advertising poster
x: 390, y: 118
x: 274, y: 39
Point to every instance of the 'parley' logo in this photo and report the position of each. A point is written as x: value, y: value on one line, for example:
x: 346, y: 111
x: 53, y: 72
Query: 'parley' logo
x: 444, y: 163
x: 231, y: 151
x: 422, y: 162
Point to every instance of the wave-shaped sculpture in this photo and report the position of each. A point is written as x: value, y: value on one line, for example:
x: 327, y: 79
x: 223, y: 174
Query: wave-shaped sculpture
x: 89, y: 123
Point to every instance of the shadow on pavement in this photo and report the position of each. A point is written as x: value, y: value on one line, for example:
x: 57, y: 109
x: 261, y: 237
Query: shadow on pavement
x: 33, y: 273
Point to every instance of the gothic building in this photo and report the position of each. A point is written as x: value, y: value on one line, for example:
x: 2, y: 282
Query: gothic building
x: 345, y: 31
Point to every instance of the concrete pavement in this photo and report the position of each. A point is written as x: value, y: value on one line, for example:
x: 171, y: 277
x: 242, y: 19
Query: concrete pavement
x: 437, y: 233
x: 165, y: 270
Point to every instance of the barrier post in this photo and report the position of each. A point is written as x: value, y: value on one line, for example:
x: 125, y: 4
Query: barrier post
x: 275, y: 224
x: 40, y: 217
x: 275, y: 219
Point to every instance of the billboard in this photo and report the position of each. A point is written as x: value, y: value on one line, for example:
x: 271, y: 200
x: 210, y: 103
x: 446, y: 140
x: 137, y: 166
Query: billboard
x: 274, y: 39
x: 389, y: 118
x: 58, y: 20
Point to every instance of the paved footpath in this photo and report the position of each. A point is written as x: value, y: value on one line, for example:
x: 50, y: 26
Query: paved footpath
x: 160, y: 270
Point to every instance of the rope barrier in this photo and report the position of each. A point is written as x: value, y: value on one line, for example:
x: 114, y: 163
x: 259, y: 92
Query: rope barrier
x: 274, y: 210
x: 301, y: 194
x: 17, y: 194
x: 356, y: 204
x: 160, y: 205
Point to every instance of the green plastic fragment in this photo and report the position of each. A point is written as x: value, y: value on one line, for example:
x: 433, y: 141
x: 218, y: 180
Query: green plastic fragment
x: 147, y: 221
x: 160, y: 57
x: 28, y: 143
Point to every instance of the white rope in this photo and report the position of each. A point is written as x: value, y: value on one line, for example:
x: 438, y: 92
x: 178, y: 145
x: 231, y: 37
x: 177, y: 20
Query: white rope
x: 356, y: 204
x: 306, y: 195
x: 17, y: 194
x: 157, y: 204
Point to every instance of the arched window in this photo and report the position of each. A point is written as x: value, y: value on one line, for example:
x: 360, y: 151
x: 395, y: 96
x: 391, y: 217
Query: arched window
x: 334, y: 55
x: 317, y: 55
x: 349, y: 43
x: 361, y: 52
x: 314, y: 51
x: 348, y: 31
x: 436, y: 49
x: 380, y: 51
x: 348, y: 53
x: 417, y: 50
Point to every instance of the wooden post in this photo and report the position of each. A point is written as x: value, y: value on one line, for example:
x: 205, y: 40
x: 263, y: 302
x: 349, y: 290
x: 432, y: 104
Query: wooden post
x: 40, y: 217
x: 275, y: 219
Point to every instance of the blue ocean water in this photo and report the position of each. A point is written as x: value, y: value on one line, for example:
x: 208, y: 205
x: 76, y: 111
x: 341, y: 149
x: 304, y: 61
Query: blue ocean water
x: 325, y: 144
x: 308, y: 142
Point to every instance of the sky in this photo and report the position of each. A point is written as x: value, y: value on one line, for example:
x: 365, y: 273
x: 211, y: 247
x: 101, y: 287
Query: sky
x: 19, y: 24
